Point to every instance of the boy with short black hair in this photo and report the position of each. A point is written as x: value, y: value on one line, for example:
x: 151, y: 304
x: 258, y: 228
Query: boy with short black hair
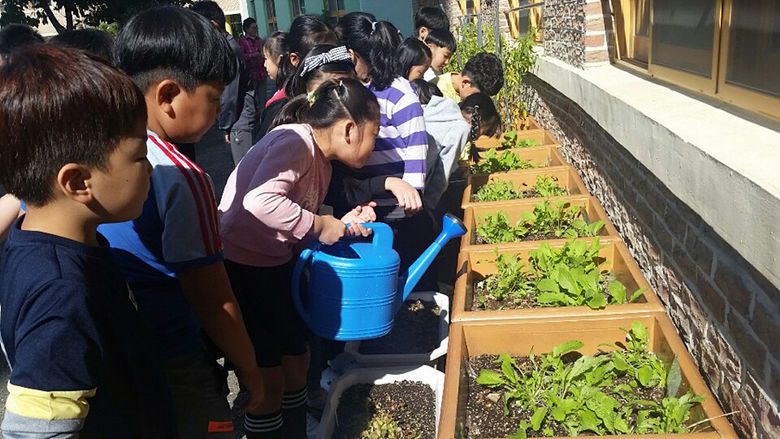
x: 482, y: 73
x: 443, y: 46
x: 427, y: 18
x: 73, y: 146
x: 172, y: 254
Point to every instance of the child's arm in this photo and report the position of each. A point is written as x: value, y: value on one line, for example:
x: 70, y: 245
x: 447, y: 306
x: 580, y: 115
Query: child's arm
x: 208, y: 290
x: 57, y: 365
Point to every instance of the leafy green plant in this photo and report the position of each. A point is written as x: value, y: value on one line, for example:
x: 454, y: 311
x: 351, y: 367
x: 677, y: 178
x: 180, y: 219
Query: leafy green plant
x: 511, y: 141
x: 560, y: 220
x: 502, y: 190
x: 382, y: 426
x: 506, y: 161
x: 591, y: 394
x: 567, y: 276
x: 547, y: 186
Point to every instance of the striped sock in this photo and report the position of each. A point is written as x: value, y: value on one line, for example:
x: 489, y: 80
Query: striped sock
x: 264, y: 426
x: 294, y: 414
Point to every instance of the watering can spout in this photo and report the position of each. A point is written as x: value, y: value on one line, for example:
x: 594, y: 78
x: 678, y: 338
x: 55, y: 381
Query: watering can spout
x: 452, y: 227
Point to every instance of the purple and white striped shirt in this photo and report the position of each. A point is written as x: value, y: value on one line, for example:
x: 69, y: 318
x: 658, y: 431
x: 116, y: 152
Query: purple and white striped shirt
x: 402, y: 144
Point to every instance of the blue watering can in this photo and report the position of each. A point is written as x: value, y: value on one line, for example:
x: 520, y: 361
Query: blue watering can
x: 353, y: 287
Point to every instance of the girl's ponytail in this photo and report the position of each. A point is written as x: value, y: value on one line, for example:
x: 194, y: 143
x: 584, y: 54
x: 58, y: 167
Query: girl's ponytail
x: 376, y: 42
x: 484, y: 119
x: 330, y: 102
x: 305, y: 32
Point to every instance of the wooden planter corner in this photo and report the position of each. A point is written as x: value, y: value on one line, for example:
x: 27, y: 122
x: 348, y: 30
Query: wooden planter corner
x: 477, y: 264
x: 543, y: 156
x: 566, y: 176
x: 542, y: 138
x: 592, y: 212
x: 527, y: 124
x: 516, y: 338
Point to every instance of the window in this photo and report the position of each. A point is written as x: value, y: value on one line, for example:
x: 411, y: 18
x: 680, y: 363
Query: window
x: 234, y: 24
x: 297, y: 7
x: 727, y: 49
x: 270, y: 16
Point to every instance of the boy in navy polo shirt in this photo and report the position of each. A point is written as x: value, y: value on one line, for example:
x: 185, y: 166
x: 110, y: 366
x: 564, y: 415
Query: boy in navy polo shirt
x: 72, y: 145
x: 171, y: 255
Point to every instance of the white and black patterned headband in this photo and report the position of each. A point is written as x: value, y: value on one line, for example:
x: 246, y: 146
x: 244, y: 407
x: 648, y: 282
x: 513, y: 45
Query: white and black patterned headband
x: 337, y: 54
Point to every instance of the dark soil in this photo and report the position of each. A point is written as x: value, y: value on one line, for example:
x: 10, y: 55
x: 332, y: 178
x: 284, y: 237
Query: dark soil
x: 415, y: 331
x: 530, y: 237
x: 411, y: 405
x: 485, y: 407
x: 529, y: 193
x: 521, y: 302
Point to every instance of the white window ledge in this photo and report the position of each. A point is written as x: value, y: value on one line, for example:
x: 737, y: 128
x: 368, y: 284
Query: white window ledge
x: 724, y: 167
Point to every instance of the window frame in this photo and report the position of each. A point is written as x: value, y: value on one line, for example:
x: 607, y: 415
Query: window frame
x: 338, y: 13
x: 270, y: 19
x: 714, y: 87
x: 297, y: 8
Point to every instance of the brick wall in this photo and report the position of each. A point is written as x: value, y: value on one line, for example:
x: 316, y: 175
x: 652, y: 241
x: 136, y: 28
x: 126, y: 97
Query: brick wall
x: 727, y: 313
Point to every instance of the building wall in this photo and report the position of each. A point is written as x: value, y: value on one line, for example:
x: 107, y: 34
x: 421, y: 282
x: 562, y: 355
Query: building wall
x: 726, y: 311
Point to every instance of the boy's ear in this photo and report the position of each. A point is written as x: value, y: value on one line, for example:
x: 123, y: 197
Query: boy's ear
x: 165, y: 92
x: 73, y: 181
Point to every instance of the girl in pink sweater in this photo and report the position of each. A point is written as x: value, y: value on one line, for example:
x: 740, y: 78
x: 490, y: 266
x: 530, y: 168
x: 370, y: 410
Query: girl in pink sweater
x: 269, y: 209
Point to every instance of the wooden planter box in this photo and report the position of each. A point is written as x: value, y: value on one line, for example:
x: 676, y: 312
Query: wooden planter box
x: 566, y: 176
x: 516, y: 338
x: 544, y: 155
x: 542, y: 138
x: 477, y: 264
x: 528, y: 124
x: 592, y: 212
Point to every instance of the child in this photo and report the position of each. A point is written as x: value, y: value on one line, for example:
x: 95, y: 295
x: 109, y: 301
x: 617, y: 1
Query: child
x: 268, y: 209
x: 14, y: 36
x: 323, y: 62
x: 427, y: 18
x: 448, y: 133
x: 415, y: 59
x: 442, y: 45
x: 72, y: 144
x: 305, y: 32
x: 481, y: 114
x: 274, y: 49
x: 172, y: 255
x: 94, y: 41
x: 482, y: 73
x: 396, y: 169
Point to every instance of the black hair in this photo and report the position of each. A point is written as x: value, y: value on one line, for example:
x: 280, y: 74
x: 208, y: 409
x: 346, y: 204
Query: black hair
x: 332, y: 101
x: 59, y: 106
x: 298, y: 84
x: 15, y: 35
x: 412, y: 52
x: 486, y: 73
x: 211, y: 11
x: 169, y: 42
x: 248, y: 22
x: 375, y: 42
x: 305, y: 32
x: 276, y: 46
x: 484, y: 116
x: 94, y: 41
x: 425, y: 90
x: 431, y: 17
x: 442, y: 38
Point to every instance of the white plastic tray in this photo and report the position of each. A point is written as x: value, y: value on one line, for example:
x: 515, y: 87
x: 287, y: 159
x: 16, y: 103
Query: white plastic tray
x: 385, y: 375
x: 352, y: 348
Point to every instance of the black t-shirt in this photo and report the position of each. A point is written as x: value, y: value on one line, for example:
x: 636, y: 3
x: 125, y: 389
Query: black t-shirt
x: 74, y: 340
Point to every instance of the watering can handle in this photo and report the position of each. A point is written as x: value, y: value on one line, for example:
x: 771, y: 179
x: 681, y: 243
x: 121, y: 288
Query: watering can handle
x: 383, y: 234
x: 303, y: 259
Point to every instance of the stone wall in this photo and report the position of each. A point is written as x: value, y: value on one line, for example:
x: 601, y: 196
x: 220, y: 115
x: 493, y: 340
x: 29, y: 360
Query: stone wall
x: 727, y: 313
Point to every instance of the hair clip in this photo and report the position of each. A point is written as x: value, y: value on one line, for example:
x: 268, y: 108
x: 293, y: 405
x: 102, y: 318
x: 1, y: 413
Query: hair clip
x: 310, y: 97
x: 373, y: 26
x: 337, y: 54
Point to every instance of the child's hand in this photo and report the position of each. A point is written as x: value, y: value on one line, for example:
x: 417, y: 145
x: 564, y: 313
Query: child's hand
x: 328, y: 228
x: 252, y: 382
x: 408, y: 198
x: 361, y: 214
